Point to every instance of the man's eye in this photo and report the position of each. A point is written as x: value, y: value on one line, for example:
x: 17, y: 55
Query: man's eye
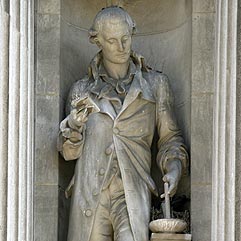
x: 111, y: 41
x: 125, y: 39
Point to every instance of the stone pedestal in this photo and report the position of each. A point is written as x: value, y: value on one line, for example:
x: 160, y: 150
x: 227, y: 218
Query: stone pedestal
x: 170, y: 237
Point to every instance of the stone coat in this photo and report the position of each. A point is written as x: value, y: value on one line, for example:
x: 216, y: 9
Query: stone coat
x: 147, y: 106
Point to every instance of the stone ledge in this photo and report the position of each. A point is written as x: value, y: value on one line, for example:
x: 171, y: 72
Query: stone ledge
x: 170, y: 237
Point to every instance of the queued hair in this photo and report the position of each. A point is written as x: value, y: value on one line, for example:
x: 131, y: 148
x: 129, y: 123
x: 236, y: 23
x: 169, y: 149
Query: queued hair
x: 107, y: 13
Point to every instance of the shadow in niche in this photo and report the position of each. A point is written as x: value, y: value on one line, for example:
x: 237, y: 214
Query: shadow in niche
x: 66, y: 171
x: 180, y: 203
x: 164, y: 39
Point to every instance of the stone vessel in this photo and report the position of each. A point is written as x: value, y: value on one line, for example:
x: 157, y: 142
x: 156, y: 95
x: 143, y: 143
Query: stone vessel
x: 168, y: 228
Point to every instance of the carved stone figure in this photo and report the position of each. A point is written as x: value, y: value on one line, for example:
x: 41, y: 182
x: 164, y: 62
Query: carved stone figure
x: 112, y: 115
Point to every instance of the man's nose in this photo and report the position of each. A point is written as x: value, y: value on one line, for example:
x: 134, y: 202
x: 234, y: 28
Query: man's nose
x: 121, y: 46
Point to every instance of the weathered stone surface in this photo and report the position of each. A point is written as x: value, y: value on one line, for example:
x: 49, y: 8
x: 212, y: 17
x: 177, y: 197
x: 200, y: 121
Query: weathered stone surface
x: 23, y: 125
x: 203, y: 52
x: 238, y: 134
x: 13, y: 123
x: 46, y: 131
x: 203, y: 37
x: 202, y: 138
x: 4, y: 29
x: 46, y: 212
x: 48, y: 6
x: 168, y: 225
x: 48, y: 53
x: 170, y: 237
x: 74, y: 57
x: 81, y: 13
x: 201, y: 196
x: 47, y: 58
x: 203, y: 6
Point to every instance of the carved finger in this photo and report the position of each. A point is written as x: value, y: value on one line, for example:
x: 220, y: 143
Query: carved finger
x: 172, y: 189
x: 165, y: 179
x: 162, y: 195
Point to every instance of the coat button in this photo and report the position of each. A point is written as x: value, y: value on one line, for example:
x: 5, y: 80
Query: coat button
x: 108, y: 150
x: 116, y: 130
x: 102, y: 171
x: 88, y: 212
x: 114, y: 168
x: 95, y: 192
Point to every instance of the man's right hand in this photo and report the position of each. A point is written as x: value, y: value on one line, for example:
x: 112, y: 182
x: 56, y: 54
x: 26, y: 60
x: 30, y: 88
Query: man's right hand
x: 77, y: 118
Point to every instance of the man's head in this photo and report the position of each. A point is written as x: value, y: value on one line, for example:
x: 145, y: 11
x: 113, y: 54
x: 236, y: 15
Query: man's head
x: 112, y: 31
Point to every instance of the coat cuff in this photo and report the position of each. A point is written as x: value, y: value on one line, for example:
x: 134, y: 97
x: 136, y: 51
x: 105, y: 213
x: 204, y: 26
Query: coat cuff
x: 72, y: 151
x: 173, y: 153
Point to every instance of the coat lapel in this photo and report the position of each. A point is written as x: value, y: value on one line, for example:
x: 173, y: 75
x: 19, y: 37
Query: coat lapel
x: 104, y: 100
x: 138, y: 87
x: 105, y: 106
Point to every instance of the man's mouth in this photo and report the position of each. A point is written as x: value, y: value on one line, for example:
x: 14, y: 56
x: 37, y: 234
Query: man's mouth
x: 123, y: 55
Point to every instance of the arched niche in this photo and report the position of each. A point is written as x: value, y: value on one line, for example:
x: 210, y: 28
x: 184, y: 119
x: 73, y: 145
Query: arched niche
x: 164, y: 38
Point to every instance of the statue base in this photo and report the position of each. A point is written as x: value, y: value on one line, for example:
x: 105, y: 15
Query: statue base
x: 170, y: 237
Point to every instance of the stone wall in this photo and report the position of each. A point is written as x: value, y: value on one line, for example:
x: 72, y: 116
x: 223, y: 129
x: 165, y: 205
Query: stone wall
x: 203, y: 54
x: 47, y: 107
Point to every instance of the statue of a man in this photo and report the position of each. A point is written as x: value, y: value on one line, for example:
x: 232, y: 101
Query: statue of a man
x: 112, y: 115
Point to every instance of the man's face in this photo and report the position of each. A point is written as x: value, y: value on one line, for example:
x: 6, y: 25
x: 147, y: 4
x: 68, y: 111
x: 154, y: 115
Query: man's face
x: 115, y: 41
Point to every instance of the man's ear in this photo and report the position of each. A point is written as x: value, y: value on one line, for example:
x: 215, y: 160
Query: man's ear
x: 97, y: 42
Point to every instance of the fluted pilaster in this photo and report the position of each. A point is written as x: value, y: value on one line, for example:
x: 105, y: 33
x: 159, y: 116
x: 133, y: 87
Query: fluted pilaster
x: 224, y: 157
x: 16, y: 119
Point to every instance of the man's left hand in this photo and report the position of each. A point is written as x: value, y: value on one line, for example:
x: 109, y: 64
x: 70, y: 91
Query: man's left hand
x: 173, y: 175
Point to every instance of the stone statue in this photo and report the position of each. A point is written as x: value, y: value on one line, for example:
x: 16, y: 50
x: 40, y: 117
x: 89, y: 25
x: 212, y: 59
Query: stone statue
x: 112, y: 114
